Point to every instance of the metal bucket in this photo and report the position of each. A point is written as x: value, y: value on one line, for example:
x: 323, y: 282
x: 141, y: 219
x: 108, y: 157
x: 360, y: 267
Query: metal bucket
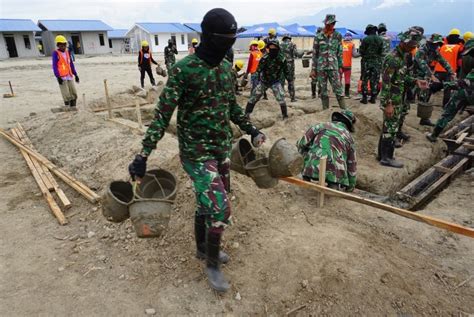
x: 424, y: 110
x: 284, y: 159
x: 242, y: 153
x: 118, y: 197
x: 260, y: 173
x: 150, y: 217
x: 305, y: 62
x: 157, y: 184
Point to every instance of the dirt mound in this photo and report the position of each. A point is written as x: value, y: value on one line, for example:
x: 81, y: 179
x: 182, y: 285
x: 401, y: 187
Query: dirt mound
x: 128, y: 98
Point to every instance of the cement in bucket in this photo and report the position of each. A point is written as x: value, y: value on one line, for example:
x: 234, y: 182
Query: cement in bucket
x: 284, y: 159
x: 242, y: 154
x: 157, y: 184
x: 424, y: 110
x: 118, y: 197
x: 305, y: 62
x: 150, y: 217
x: 260, y: 173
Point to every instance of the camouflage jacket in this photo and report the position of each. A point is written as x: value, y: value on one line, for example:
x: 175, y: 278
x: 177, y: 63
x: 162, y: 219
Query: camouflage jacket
x: 395, y: 78
x: 386, y: 43
x: 272, y: 70
x: 170, y: 53
x: 327, y: 52
x: 371, y: 50
x: 288, y: 49
x: 206, y: 105
x: 334, y: 141
x: 424, y: 57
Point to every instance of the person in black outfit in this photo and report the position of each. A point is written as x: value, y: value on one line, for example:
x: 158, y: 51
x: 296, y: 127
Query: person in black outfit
x: 144, y: 64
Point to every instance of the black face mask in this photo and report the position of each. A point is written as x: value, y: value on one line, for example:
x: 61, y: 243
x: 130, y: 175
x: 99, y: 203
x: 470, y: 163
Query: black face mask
x: 471, y: 53
x: 433, y: 46
x: 273, y: 52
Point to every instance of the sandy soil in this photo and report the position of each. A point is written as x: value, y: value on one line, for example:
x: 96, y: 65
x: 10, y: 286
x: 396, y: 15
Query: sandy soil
x: 343, y: 259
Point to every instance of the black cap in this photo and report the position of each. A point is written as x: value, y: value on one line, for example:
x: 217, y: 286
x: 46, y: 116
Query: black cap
x: 219, y: 21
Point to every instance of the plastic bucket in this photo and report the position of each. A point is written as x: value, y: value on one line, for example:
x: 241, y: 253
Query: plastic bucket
x: 424, y: 110
x: 157, y: 184
x: 242, y: 153
x: 118, y: 197
x: 150, y: 217
x: 260, y: 173
x: 284, y: 159
x: 305, y: 62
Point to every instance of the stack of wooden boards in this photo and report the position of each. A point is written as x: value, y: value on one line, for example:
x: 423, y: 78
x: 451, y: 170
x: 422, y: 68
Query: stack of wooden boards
x: 42, y: 170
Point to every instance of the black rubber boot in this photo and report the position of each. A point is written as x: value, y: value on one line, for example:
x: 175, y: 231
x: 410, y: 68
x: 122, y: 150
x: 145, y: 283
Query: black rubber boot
x: 215, y: 277
x: 373, y: 98
x: 265, y: 95
x: 363, y: 99
x: 313, y: 90
x: 400, y: 134
x: 284, y: 112
x: 200, y: 236
x: 73, y: 103
x: 347, y: 88
x: 342, y: 102
x: 379, y: 151
x: 387, y: 149
x: 397, y: 143
x: 249, y: 109
x: 426, y: 122
x: 433, y: 136
x: 66, y: 103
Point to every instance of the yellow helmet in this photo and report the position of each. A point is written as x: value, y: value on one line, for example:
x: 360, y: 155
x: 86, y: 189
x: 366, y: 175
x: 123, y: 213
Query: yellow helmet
x: 467, y: 36
x: 239, y: 63
x: 253, y: 42
x: 272, y: 31
x: 145, y: 43
x: 60, y: 39
x: 194, y: 41
x: 455, y: 32
x: 261, y: 45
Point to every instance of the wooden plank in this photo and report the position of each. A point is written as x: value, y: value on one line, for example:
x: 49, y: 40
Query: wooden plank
x: 120, y: 107
x: 461, y: 137
x: 322, y: 178
x: 107, y: 98
x: 466, y: 129
x: 44, y: 190
x: 61, y: 195
x: 469, y: 232
x: 442, y: 169
x: 457, y: 128
x: 68, y: 179
x: 139, y: 115
x: 129, y: 124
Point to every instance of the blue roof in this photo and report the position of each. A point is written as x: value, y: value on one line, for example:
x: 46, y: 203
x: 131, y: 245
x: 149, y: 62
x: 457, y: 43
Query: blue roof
x: 194, y: 26
x: 355, y: 34
x: 117, y: 34
x: 311, y: 28
x: 152, y: 27
x: 74, y: 25
x: 261, y: 30
x: 18, y: 25
x: 299, y: 30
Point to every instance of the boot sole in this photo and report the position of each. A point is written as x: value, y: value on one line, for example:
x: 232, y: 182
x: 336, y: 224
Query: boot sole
x: 202, y: 256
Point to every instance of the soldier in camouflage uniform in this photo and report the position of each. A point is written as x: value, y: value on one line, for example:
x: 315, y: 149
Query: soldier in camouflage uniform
x: 334, y: 141
x: 288, y: 48
x: 314, y: 81
x: 200, y: 86
x: 271, y: 69
x: 272, y: 36
x: 371, y: 50
x: 170, y: 52
x: 327, y: 61
x: 395, y: 79
x: 382, y: 32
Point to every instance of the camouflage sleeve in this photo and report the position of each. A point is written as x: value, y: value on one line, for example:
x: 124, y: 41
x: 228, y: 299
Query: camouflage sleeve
x: 420, y: 60
x: 444, y: 63
x: 352, y: 165
x: 294, y: 51
x: 339, y: 53
x: 260, y: 67
x: 286, y: 73
x: 304, y: 143
x: 388, y: 70
x: 238, y: 117
x: 315, y: 57
x: 164, y: 109
x: 362, y: 48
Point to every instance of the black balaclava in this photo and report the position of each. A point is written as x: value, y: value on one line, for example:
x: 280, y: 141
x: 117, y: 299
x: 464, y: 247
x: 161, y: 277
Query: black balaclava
x: 219, y: 29
x: 170, y: 43
x: 273, y: 52
x: 371, y: 31
x: 453, y: 39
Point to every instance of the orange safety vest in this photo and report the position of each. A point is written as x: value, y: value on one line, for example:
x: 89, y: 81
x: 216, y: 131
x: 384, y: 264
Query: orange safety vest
x: 64, y: 64
x: 255, y: 57
x: 347, y: 54
x: 141, y: 57
x: 413, y: 51
x: 450, y: 54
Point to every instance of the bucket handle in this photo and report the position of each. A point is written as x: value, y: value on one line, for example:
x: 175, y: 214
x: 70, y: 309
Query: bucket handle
x: 137, y: 197
x: 136, y: 188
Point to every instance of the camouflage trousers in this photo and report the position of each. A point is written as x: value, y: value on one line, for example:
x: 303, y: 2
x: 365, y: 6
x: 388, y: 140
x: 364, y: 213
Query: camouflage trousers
x: 169, y: 64
x: 333, y: 77
x: 458, y: 99
x: 290, y: 79
x: 370, y: 74
x: 276, y: 88
x: 211, y: 180
x: 391, y: 125
x: 254, y: 81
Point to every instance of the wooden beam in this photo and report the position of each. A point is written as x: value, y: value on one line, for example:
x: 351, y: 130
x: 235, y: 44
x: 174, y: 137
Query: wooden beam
x: 120, y: 107
x: 107, y: 99
x: 469, y: 232
x: 461, y: 137
x: 139, y: 115
x: 322, y: 178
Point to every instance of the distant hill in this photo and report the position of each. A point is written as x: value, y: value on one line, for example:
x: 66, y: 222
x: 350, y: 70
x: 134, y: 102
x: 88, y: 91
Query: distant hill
x: 438, y: 16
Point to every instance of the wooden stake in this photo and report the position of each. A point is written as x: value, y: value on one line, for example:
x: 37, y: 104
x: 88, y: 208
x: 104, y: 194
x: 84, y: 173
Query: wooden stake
x: 139, y: 114
x: 11, y: 88
x: 469, y: 232
x: 84, y: 104
x: 107, y: 98
x: 322, y: 179
x: 47, y: 195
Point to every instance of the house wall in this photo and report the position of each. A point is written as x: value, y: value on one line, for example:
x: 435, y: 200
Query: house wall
x: 194, y: 35
x: 137, y: 35
x: 119, y: 46
x: 20, y: 45
x: 90, y: 43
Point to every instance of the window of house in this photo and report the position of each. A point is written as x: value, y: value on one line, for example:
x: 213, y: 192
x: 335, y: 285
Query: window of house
x: 110, y: 43
x: 182, y: 39
x: 156, y: 40
x: 26, y: 38
x: 101, y: 40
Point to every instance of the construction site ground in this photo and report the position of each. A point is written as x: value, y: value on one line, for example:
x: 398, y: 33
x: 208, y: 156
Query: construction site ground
x: 286, y: 253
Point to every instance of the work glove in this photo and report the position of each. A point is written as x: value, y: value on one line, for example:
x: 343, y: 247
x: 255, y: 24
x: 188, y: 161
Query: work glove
x: 77, y: 79
x: 138, y: 167
x: 257, y: 137
x: 60, y: 80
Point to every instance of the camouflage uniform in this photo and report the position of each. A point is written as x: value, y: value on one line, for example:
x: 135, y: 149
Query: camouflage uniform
x: 206, y: 104
x: 327, y: 61
x: 371, y: 50
x: 170, y: 58
x: 288, y: 49
x: 386, y: 40
x: 334, y: 141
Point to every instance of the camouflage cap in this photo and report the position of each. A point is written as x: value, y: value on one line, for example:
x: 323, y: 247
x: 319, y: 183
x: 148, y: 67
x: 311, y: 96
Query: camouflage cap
x: 345, y: 116
x: 273, y: 42
x: 417, y: 28
x: 382, y: 26
x: 330, y: 18
x: 411, y: 37
x: 286, y: 36
x: 436, y: 38
x: 468, y: 47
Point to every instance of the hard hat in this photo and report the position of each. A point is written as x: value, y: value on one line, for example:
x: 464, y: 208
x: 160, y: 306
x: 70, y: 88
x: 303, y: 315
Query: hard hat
x: 467, y: 36
x: 253, y: 42
x: 272, y: 31
x: 239, y: 63
x: 261, y: 44
x: 454, y: 32
x: 60, y: 39
x: 194, y: 41
x: 145, y: 43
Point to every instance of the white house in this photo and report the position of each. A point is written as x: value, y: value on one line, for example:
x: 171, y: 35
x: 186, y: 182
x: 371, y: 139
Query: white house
x: 119, y: 43
x: 158, y: 34
x: 86, y: 36
x: 17, y: 38
x: 195, y: 31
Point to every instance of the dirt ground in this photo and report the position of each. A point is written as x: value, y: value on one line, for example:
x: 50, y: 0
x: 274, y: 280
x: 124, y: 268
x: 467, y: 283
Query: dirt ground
x: 343, y: 259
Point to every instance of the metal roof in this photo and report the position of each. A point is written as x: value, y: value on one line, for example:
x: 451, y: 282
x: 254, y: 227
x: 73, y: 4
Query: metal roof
x: 18, y: 25
x: 194, y: 26
x: 74, y: 25
x: 117, y: 34
x: 261, y: 30
x: 153, y: 27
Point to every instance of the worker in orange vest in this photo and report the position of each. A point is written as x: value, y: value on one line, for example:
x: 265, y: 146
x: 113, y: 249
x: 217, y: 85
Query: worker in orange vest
x: 348, y: 52
x: 65, y: 73
x: 254, y: 59
x: 451, y: 52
